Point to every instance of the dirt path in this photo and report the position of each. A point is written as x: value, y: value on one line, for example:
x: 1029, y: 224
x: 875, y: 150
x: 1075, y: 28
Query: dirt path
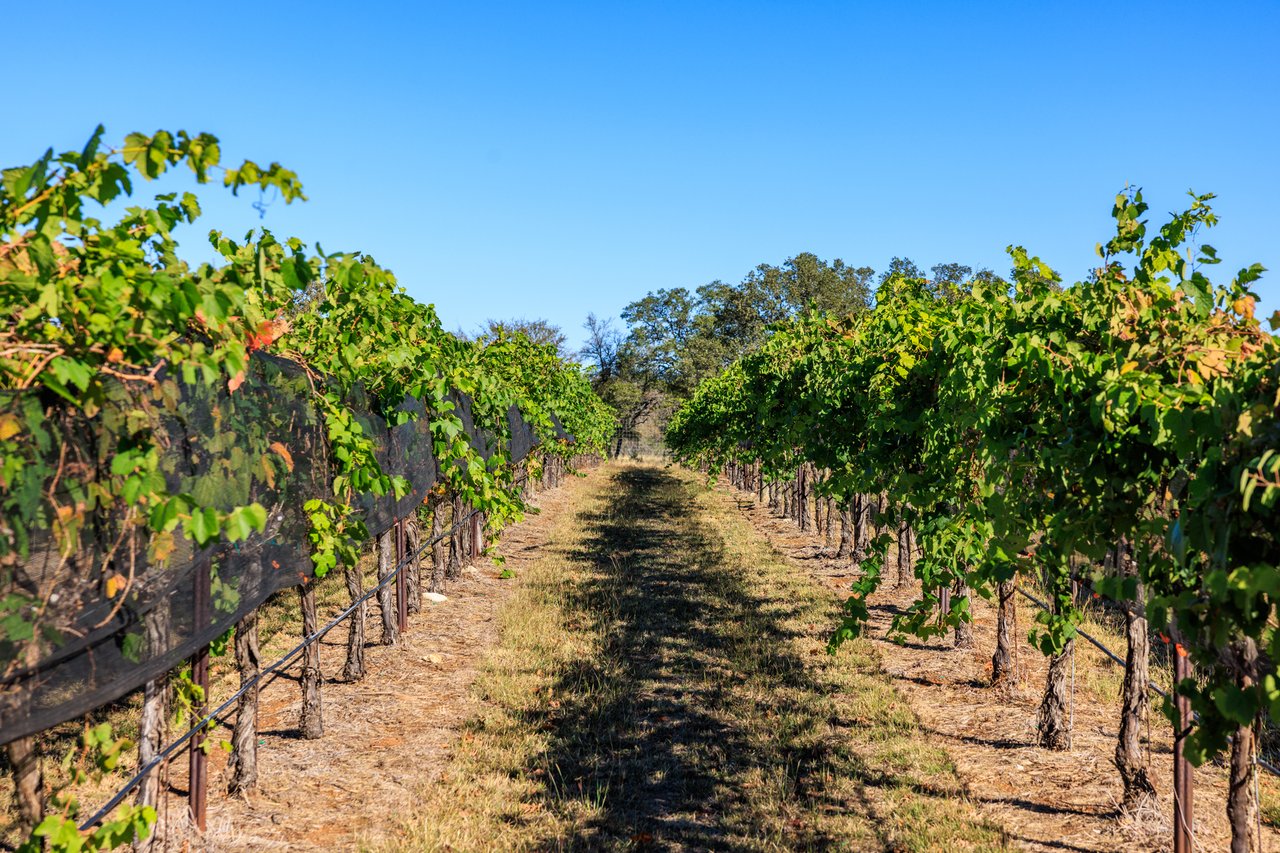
x: 1046, y: 800
x: 655, y: 678
x: 662, y: 683
x: 383, y: 735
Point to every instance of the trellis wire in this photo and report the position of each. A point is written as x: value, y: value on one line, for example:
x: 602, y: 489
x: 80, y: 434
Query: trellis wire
x: 272, y: 669
x: 1164, y: 694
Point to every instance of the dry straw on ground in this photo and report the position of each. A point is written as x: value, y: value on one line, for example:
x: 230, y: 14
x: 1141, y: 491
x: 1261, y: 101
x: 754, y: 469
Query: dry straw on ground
x: 662, y: 684
x: 1045, y: 800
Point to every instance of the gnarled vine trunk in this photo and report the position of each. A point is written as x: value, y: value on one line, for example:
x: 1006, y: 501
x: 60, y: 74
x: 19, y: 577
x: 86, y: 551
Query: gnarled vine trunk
x: 386, y: 595
x: 244, y: 737
x: 1053, y: 722
x: 28, y: 781
x: 154, y: 724
x: 469, y: 530
x: 454, y: 566
x: 477, y: 535
x: 353, y: 669
x: 862, y: 527
x: 1242, y: 806
x: 1129, y: 757
x: 439, y: 548
x: 845, y: 550
x: 413, y: 569
x: 906, y: 549
x: 311, y: 721
x: 1003, y: 670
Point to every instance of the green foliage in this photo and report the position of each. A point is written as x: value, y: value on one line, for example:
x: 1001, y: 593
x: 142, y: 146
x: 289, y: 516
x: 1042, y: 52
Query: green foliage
x: 1019, y: 427
x: 97, y: 754
x: 108, y: 331
x: 547, y: 386
x: 98, y: 310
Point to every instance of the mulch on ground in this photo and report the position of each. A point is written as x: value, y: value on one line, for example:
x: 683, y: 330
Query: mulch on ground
x: 1045, y: 800
x: 383, y: 735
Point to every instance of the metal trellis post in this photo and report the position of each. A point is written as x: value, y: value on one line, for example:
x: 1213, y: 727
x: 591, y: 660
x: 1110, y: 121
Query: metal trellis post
x: 198, y: 784
x: 402, y: 577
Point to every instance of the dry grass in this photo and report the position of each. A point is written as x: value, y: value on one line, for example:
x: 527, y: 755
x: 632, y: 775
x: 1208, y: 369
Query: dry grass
x: 1047, y: 800
x: 381, y: 734
x: 661, y: 682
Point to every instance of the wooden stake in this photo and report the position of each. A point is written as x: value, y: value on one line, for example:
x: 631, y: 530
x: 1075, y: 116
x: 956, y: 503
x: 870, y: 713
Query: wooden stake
x: 402, y: 578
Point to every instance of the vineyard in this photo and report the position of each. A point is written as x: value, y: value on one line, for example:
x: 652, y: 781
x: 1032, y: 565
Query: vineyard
x: 180, y: 444
x: 1116, y: 439
x: 212, y: 471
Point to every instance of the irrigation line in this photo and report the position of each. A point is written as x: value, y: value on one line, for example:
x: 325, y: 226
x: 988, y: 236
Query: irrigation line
x: 272, y: 669
x: 1271, y: 768
x: 1106, y: 651
x: 1164, y: 694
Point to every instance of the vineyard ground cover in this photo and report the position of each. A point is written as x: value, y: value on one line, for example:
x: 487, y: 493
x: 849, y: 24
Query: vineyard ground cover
x: 384, y: 734
x: 1046, y: 800
x: 381, y: 734
x: 279, y: 619
x: 662, y: 683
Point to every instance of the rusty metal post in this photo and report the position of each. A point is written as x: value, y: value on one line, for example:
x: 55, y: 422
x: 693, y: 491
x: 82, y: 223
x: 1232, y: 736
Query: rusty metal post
x: 1183, y: 785
x: 198, y: 776
x: 402, y: 577
x: 477, y: 537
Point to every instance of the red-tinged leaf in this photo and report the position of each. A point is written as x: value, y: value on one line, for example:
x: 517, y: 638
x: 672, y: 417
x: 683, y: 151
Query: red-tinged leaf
x: 283, y: 452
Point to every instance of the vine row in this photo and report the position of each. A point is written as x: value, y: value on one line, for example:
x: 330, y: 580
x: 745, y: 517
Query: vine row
x: 1125, y: 429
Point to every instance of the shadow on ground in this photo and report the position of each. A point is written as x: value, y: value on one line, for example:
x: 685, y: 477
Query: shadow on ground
x: 655, y: 741
x: 700, y: 698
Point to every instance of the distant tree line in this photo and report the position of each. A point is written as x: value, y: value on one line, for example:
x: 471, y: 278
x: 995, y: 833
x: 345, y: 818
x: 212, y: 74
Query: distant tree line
x: 673, y: 338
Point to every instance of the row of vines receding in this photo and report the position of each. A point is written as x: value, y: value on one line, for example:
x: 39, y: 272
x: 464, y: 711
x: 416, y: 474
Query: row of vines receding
x: 1122, y: 433
x: 180, y: 441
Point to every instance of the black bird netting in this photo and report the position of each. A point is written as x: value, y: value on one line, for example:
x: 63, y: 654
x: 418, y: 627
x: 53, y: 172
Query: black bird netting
x: 122, y: 609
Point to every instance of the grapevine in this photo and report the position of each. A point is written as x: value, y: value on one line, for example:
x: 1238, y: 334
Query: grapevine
x: 109, y: 330
x: 1020, y: 428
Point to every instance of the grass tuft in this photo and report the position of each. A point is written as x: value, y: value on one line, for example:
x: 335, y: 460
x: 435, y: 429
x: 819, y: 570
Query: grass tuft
x: 661, y: 681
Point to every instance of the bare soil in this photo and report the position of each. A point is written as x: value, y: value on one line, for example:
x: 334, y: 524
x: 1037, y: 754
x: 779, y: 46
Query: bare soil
x: 663, y: 684
x: 1045, y: 800
x: 384, y: 735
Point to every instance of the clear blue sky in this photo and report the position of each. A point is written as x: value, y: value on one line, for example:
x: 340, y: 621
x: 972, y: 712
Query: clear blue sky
x: 547, y: 159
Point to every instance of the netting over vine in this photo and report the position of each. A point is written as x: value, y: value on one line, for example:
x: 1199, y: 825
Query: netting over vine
x: 122, y: 608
